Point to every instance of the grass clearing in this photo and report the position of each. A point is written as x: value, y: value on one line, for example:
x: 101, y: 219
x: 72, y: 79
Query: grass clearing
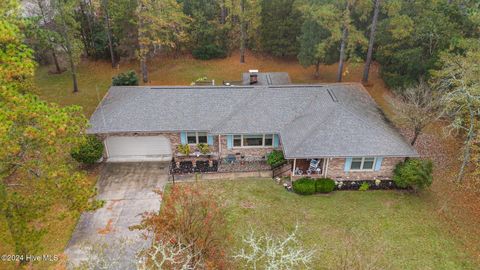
x: 390, y: 229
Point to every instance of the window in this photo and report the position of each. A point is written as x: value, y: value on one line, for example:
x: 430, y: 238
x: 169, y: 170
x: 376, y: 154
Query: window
x: 192, y: 137
x: 268, y: 139
x: 362, y: 164
x: 202, y: 137
x: 196, y: 137
x: 253, y: 140
x: 237, y: 140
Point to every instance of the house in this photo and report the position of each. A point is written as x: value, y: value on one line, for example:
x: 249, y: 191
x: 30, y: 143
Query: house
x: 338, y: 125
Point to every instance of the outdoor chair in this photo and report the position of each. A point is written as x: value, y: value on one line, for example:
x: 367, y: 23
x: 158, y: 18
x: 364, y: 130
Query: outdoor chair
x: 314, y: 167
x: 231, y: 159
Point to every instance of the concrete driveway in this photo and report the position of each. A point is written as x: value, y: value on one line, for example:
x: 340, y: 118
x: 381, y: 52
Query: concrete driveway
x: 127, y: 189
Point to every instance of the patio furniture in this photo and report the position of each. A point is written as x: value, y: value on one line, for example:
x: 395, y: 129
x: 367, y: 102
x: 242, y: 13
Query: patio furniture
x: 297, y: 171
x: 314, y: 167
x: 231, y: 159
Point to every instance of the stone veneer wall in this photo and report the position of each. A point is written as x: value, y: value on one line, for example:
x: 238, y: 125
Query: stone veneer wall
x: 336, y: 170
x: 249, y: 153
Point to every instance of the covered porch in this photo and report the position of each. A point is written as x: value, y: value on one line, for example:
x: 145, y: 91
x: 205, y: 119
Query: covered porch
x: 314, y: 168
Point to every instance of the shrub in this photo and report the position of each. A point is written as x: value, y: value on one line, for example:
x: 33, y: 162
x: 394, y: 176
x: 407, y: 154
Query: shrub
x: 184, y: 149
x: 324, y: 185
x: 414, y: 173
x: 125, y: 79
x: 275, y: 158
x: 304, y: 186
x: 203, y: 148
x: 89, y: 151
x: 364, y: 187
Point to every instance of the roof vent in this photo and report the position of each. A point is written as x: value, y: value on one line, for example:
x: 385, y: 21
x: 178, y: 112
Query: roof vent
x: 332, y: 95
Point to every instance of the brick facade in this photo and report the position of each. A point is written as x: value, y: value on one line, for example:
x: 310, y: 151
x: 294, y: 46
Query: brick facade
x: 336, y: 170
x: 175, y: 141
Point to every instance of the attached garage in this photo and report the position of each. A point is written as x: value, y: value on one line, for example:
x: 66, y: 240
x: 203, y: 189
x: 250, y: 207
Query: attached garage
x: 138, y: 148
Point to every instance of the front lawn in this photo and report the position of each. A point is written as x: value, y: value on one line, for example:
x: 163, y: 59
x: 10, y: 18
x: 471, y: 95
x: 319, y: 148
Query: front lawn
x: 383, y: 229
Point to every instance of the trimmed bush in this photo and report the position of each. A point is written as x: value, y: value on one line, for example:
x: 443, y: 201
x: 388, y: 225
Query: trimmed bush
x: 275, y: 158
x: 89, y: 151
x: 414, y: 173
x: 125, y: 79
x: 304, y: 186
x: 324, y: 185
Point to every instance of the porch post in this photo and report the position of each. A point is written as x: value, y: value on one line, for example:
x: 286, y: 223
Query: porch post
x: 294, y: 166
x: 219, y: 146
x: 326, y: 167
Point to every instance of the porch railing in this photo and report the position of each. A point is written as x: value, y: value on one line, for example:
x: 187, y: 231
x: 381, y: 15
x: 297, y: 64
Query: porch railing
x: 281, y: 169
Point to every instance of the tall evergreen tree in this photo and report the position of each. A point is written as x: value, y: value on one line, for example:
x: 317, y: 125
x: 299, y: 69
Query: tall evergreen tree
x: 280, y: 26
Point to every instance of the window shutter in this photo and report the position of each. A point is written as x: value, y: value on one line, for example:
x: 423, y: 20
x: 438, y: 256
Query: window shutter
x: 229, y: 141
x: 183, y: 137
x: 378, y: 163
x: 275, y: 140
x: 348, y: 163
x: 210, y: 139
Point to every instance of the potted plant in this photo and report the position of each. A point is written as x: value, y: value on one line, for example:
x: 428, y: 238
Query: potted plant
x: 184, y: 149
x: 203, y: 148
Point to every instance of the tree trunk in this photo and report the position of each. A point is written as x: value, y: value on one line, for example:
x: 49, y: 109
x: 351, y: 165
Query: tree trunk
x: 371, y: 42
x: 317, y: 69
x: 143, y: 67
x: 70, y: 55
x: 242, y: 31
x: 342, y: 54
x: 55, y: 61
x: 109, y: 32
x: 416, y: 133
x: 468, y: 143
x: 54, y: 55
x: 223, y: 13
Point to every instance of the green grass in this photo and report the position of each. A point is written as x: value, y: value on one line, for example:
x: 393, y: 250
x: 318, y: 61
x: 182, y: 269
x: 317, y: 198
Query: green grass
x: 392, y: 230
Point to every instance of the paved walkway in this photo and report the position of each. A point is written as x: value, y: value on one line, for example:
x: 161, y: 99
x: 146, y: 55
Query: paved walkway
x: 127, y: 189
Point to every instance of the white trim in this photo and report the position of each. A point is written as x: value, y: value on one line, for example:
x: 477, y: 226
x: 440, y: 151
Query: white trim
x: 361, y: 165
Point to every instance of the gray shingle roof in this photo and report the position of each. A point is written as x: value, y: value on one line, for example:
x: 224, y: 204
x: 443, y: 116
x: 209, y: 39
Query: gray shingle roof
x: 310, y: 123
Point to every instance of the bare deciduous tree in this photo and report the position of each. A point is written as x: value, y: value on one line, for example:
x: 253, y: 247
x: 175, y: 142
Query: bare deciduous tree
x: 268, y: 252
x: 168, y: 254
x: 460, y: 81
x: 416, y: 107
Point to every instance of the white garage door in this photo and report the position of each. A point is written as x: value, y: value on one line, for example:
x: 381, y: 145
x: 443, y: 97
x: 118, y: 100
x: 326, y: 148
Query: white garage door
x: 138, y: 148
